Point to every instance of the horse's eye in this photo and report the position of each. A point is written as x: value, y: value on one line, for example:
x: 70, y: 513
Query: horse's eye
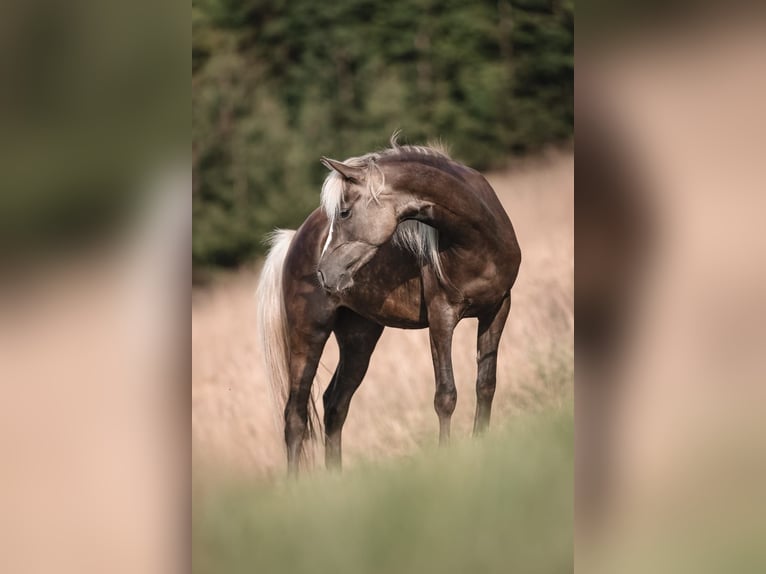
x: 345, y: 214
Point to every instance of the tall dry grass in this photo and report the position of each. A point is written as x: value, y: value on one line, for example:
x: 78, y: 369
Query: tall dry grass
x: 235, y: 427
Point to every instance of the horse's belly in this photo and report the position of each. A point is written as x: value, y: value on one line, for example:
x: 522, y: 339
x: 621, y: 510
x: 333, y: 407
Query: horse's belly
x: 396, y: 321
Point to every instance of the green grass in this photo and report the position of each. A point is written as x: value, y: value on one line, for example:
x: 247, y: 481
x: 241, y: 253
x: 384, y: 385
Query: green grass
x: 500, y: 504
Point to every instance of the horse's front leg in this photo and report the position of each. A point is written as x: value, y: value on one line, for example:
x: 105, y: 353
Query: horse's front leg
x: 490, y: 329
x: 304, y: 358
x: 356, y: 338
x: 442, y: 320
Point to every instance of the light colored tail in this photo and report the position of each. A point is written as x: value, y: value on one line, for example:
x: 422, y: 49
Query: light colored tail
x: 272, y: 328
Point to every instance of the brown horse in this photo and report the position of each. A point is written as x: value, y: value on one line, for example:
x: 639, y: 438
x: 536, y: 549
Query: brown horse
x: 405, y: 237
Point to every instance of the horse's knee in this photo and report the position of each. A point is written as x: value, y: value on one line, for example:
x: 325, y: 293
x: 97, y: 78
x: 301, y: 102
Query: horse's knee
x: 334, y: 416
x: 445, y: 401
x: 330, y: 417
x: 295, y: 425
x: 485, y: 390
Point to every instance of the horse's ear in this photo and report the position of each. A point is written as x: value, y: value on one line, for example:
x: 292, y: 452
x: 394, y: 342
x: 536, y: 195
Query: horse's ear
x: 348, y: 172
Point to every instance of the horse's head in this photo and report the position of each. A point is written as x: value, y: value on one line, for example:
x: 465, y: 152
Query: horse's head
x: 362, y: 218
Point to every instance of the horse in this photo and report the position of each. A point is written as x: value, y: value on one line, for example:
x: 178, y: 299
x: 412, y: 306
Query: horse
x: 405, y: 237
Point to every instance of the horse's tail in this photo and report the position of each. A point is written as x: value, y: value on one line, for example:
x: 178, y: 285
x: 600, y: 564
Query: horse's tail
x: 272, y: 328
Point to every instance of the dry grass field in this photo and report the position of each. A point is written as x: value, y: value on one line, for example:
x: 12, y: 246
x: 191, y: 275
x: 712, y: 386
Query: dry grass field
x: 234, y: 426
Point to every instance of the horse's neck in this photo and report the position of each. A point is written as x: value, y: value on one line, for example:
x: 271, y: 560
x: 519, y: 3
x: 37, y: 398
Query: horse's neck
x: 448, y: 204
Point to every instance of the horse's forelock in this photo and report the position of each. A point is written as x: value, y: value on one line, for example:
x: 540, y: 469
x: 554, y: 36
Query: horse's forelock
x: 332, y: 194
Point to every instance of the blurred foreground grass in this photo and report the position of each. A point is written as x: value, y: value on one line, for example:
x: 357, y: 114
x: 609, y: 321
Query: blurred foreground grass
x: 499, y: 504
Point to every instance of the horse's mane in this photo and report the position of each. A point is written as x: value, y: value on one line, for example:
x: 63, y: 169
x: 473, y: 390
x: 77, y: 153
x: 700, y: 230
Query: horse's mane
x: 333, y: 187
x: 417, y: 237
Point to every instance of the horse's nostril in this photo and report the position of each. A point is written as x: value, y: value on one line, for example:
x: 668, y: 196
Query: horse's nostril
x: 344, y: 281
x: 321, y: 279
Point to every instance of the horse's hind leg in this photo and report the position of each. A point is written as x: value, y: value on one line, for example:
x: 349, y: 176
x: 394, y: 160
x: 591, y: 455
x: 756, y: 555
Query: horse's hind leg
x: 356, y: 338
x: 490, y: 329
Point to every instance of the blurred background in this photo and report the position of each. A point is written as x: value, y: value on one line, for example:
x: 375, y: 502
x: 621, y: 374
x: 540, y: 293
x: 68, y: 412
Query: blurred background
x: 669, y: 287
x: 94, y: 273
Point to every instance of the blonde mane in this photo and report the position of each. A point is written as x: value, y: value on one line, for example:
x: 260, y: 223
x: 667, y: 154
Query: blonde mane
x: 419, y: 238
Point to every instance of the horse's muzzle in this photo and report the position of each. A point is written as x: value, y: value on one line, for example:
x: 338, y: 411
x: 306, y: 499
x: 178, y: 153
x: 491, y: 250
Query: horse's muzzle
x: 337, y: 267
x: 335, y: 284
